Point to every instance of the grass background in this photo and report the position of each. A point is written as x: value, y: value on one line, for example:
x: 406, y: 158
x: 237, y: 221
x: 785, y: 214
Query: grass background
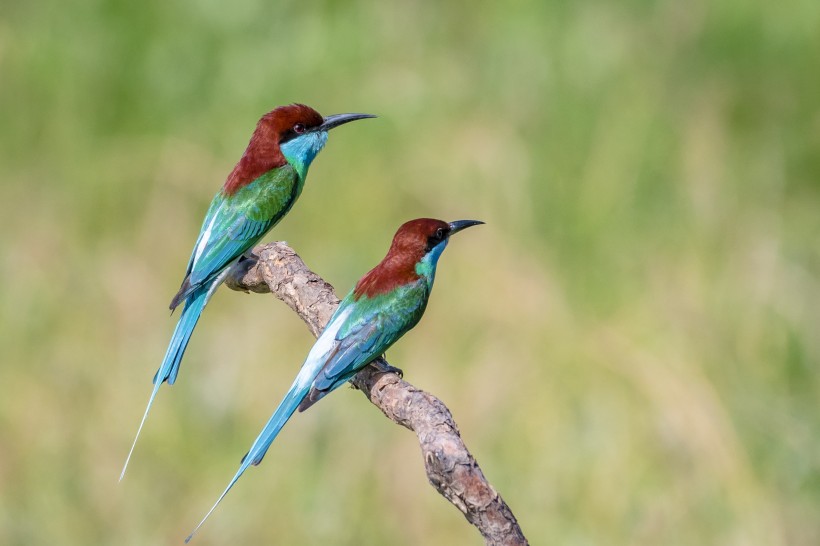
x: 630, y: 345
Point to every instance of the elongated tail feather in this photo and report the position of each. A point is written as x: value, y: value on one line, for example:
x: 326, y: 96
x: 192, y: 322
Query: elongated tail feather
x: 317, y: 357
x: 260, y: 446
x: 144, y: 415
x: 169, y: 368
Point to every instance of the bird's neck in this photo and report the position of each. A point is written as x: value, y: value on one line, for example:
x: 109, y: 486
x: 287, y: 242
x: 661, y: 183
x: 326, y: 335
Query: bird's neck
x: 301, y: 151
x: 400, y: 268
x: 426, y: 267
x: 394, y: 271
x: 259, y: 157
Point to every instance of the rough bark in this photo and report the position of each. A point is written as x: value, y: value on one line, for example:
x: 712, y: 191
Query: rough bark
x: 450, y: 467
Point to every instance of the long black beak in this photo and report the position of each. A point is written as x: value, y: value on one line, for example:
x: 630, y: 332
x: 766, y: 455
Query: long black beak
x: 458, y: 225
x: 340, y: 119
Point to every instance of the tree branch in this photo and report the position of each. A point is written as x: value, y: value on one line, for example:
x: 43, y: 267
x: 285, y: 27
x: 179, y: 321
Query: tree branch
x: 450, y: 467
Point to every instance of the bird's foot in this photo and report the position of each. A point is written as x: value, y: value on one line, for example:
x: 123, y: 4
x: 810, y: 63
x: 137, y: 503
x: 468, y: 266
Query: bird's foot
x: 247, y: 255
x: 383, y: 367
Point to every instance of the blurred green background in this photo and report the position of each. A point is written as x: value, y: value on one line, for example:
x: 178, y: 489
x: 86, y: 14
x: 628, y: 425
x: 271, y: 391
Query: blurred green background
x: 630, y: 345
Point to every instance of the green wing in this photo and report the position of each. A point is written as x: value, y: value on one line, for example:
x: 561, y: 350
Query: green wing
x: 235, y: 223
x: 371, y: 328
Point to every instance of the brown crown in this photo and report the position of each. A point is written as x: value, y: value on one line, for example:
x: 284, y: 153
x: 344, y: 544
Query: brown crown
x: 399, y: 266
x: 263, y: 153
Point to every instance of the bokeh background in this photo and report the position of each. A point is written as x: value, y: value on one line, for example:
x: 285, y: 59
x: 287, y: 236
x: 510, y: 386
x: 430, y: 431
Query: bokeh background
x: 630, y: 345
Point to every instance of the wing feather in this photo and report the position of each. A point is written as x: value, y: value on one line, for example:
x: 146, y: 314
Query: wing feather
x: 234, y: 224
x: 369, y: 330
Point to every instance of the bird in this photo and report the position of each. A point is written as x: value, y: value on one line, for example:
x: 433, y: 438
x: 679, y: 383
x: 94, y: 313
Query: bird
x: 384, y: 305
x: 258, y: 193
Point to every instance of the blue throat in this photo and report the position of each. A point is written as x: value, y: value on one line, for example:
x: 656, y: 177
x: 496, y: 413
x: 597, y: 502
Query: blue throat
x: 301, y: 150
x: 427, y: 266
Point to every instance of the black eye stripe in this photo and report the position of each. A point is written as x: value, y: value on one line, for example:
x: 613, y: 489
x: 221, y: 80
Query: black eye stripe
x: 435, y: 239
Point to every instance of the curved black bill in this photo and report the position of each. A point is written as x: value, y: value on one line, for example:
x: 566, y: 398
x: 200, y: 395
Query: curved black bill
x: 458, y: 225
x: 340, y: 119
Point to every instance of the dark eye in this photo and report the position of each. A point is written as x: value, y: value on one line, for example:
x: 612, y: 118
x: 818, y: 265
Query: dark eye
x: 298, y: 128
x: 440, y: 233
